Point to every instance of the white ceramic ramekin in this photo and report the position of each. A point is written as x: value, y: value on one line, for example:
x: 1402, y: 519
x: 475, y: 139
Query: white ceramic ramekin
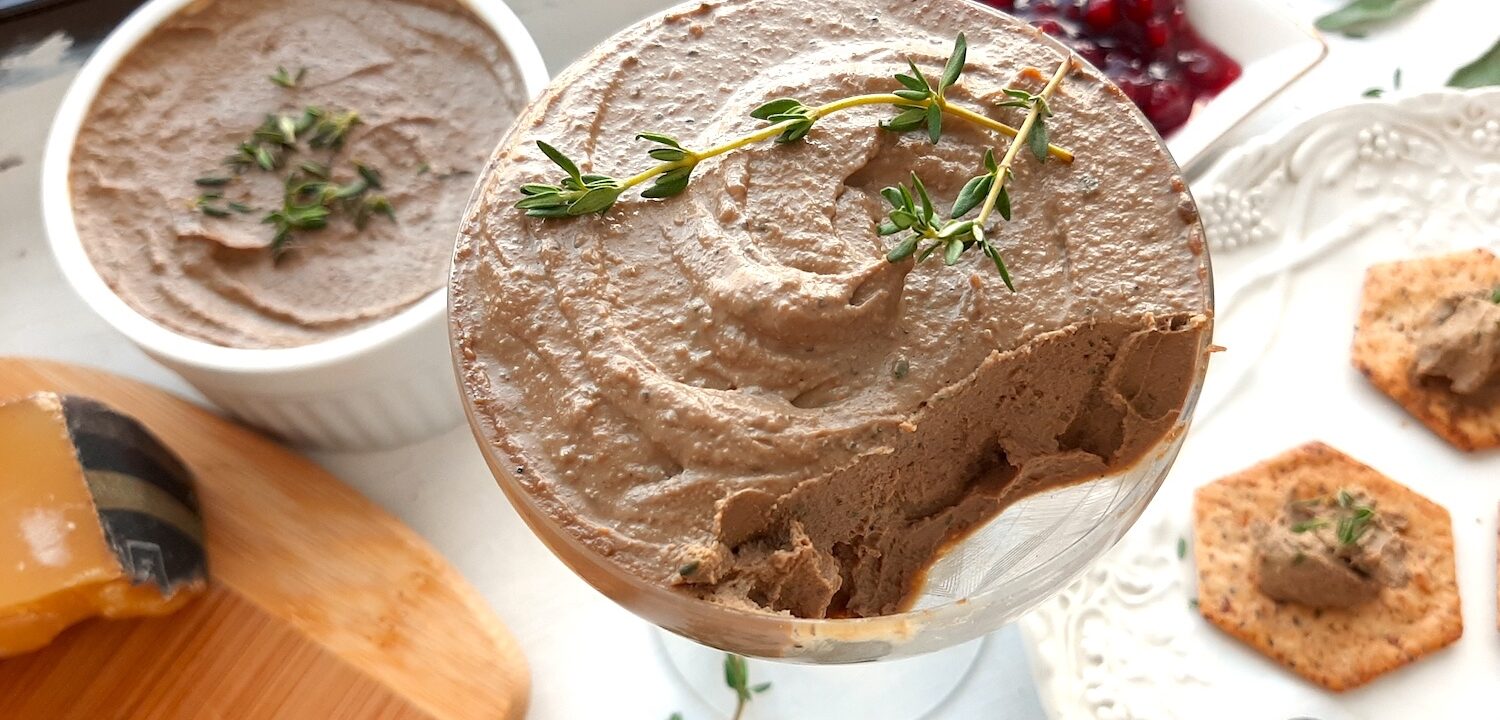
x: 384, y: 385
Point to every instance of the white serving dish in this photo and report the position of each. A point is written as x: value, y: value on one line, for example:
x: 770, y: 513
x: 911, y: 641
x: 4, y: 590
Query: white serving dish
x: 1293, y: 220
x: 1273, y: 47
x: 384, y: 385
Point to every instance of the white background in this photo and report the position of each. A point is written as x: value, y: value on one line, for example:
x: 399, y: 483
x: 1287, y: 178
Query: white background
x: 590, y: 659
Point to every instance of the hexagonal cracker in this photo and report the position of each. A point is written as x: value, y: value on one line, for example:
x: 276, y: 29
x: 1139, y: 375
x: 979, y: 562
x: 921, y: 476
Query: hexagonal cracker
x: 1398, y: 297
x: 1337, y: 648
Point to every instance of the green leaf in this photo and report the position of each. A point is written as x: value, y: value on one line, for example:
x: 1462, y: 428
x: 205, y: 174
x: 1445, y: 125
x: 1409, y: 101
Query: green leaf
x: 989, y: 161
x: 911, y: 83
x: 560, y: 160
x: 675, y: 175
x: 370, y: 175
x: 1352, y: 527
x: 667, y: 140
x: 1002, y: 203
x: 928, y: 251
x: 737, y: 675
x: 284, y: 78
x: 1373, y: 92
x: 956, y: 62
x: 902, y: 250
x: 907, y: 201
x: 972, y: 194
x: 775, y: 107
x: 596, y: 200
x: 903, y: 219
x: 265, y: 159
x: 758, y: 689
x: 211, y: 181
x: 1361, y: 16
x: 901, y: 368
x: 662, y: 189
x: 913, y: 95
x: 934, y: 122
x: 1181, y: 548
x: 915, y: 73
x: 1037, y: 140
x: 666, y: 154
x: 795, y: 132
x: 994, y: 256
x: 1307, y: 525
x: 953, y: 251
x: 886, y: 227
x: 542, y: 201
x: 538, y: 189
x: 1484, y: 71
x: 892, y: 196
x: 956, y: 230
x: 1042, y: 107
x: 551, y: 212
x: 669, y: 183
x: 927, y: 210
x: 907, y: 120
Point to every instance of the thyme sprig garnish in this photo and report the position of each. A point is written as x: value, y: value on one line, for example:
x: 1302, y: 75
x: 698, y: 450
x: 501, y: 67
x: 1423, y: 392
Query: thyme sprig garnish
x: 737, y: 677
x: 288, y: 80
x: 310, y: 196
x: 920, y: 104
x: 1355, y: 520
x: 1350, y: 523
x: 955, y: 235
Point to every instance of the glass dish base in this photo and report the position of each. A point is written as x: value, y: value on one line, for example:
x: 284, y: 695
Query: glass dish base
x: 904, y: 689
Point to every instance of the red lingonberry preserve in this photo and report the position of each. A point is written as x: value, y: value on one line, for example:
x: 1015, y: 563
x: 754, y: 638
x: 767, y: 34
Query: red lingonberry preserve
x: 1148, y: 47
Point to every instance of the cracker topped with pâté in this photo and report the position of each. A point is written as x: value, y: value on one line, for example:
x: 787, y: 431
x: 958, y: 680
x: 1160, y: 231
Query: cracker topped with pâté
x: 1326, y: 566
x: 1429, y: 337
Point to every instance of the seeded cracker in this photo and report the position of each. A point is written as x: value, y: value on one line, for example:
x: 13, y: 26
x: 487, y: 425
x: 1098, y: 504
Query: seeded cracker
x: 1398, y: 297
x: 1336, y: 648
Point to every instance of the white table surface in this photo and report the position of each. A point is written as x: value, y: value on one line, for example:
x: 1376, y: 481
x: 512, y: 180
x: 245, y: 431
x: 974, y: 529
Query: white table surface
x: 589, y: 658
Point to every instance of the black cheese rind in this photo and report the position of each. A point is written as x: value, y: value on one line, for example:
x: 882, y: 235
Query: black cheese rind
x: 144, y: 495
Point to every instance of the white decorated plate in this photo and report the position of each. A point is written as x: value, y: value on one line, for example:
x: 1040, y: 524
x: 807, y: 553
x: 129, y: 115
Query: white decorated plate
x: 1293, y: 220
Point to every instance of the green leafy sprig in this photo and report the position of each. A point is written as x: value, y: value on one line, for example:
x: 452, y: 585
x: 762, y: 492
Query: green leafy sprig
x: 287, y: 80
x: 912, y: 210
x: 920, y: 104
x: 955, y: 235
x: 737, y: 677
x: 1352, y: 519
x: 310, y: 197
x: 1355, y: 521
x: 919, y: 90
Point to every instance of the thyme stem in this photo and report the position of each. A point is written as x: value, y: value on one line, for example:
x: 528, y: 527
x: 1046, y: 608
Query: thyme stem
x: 822, y: 111
x: 1003, y: 175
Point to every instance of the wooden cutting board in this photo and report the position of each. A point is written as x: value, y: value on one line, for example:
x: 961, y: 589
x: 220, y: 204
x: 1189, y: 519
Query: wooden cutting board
x: 321, y: 605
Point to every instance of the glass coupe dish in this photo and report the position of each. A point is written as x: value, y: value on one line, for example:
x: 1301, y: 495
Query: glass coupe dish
x: 987, y: 579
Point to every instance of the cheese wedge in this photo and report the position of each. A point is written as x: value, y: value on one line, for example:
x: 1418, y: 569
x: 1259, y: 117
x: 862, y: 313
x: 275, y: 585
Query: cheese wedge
x: 97, y: 518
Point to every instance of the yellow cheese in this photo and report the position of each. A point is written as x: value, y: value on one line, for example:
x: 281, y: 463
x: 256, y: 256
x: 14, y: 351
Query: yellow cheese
x: 96, y: 518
